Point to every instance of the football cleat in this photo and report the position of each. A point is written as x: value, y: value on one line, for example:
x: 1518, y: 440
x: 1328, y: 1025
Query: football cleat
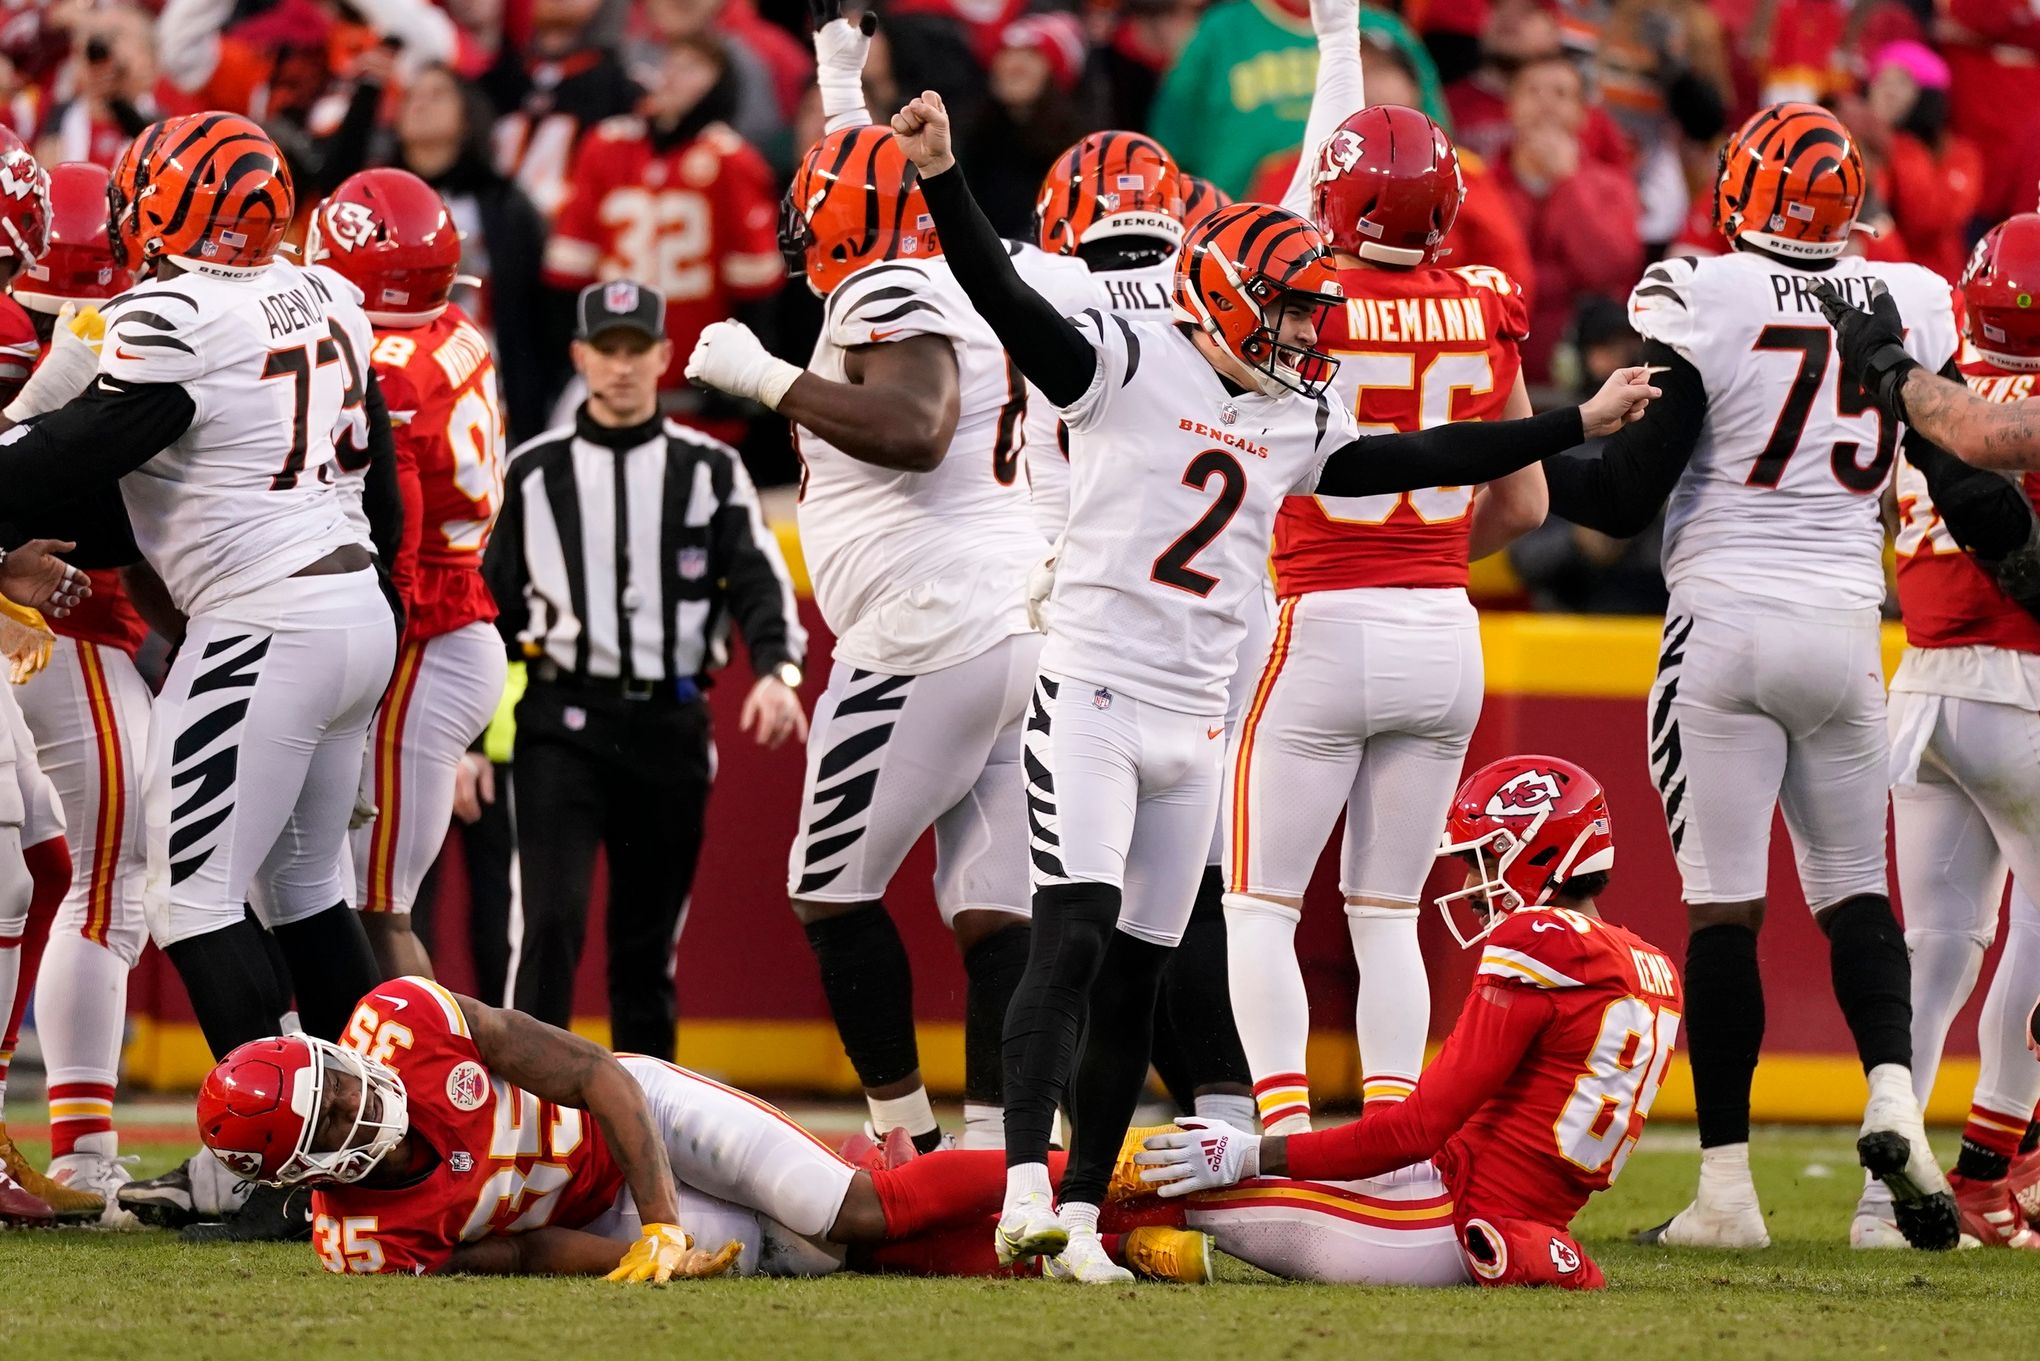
x: 1126, y: 1183
x: 68, y: 1204
x: 1086, y: 1262
x: 271, y: 1214
x: 199, y: 1188
x: 1990, y: 1216
x: 897, y: 1148
x: 1702, y: 1226
x: 1159, y: 1253
x: 1893, y: 1148
x: 1029, y: 1227
x: 2024, y: 1181
x: 93, y: 1167
x: 19, y: 1208
x: 861, y: 1151
x: 1873, y: 1226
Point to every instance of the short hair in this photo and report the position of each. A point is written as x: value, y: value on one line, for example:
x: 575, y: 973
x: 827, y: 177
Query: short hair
x: 1583, y: 886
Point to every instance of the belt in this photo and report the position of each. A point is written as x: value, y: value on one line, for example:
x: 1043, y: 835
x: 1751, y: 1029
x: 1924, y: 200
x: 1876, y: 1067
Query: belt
x: 681, y: 691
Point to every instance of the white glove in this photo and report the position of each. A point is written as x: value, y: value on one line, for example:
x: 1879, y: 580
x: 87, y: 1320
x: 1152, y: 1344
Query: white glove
x: 840, y: 50
x: 1040, y: 585
x: 730, y: 358
x: 1339, y: 19
x: 1199, y: 1155
x: 66, y: 370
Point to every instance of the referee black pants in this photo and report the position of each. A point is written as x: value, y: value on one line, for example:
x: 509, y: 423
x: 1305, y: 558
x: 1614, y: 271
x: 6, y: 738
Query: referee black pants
x: 631, y: 776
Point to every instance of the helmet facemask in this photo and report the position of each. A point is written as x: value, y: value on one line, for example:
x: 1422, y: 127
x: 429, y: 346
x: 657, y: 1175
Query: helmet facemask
x: 1490, y: 891
x: 1278, y: 366
x: 379, y: 1121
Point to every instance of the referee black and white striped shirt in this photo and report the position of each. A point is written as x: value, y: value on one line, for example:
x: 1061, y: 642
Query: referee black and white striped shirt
x: 625, y: 554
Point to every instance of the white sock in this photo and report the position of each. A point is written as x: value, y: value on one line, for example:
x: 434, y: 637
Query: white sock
x: 1078, y: 1217
x: 983, y: 1126
x: 1892, y: 1081
x: 81, y: 1009
x: 1725, y: 1181
x: 1268, y: 1001
x: 2008, y: 1079
x: 1944, y: 969
x: 1393, y: 1014
x: 1027, y: 1179
x: 910, y: 1112
x: 1235, y: 1109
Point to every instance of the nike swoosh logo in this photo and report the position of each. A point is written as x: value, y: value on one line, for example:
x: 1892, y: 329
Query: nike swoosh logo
x: 1213, y: 732
x: 398, y: 1002
x: 122, y: 352
x: 1547, y: 926
x: 877, y: 336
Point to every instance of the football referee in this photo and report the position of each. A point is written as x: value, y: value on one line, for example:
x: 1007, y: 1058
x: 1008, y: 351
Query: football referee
x: 626, y: 547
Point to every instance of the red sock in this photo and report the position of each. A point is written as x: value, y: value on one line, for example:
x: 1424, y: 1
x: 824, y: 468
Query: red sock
x: 1993, y: 1130
x: 962, y: 1249
x: 76, y: 1110
x: 49, y: 868
x: 937, y: 1190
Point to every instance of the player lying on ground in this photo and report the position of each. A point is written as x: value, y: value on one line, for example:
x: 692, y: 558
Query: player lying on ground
x: 1541, y: 1092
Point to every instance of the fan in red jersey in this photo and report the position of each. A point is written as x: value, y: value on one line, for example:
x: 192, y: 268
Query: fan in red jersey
x: 1372, y: 590
x: 1541, y: 1092
x: 1965, y: 804
x: 675, y: 199
x: 389, y: 234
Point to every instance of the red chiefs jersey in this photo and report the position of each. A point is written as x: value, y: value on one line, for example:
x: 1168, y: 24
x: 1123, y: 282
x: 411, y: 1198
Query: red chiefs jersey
x: 1946, y: 599
x: 1542, y: 1090
x: 1416, y: 348
x: 447, y: 415
x: 698, y: 222
x: 508, y: 1162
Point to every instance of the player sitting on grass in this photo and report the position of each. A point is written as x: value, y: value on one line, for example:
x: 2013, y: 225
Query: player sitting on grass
x: 1542, y: 1090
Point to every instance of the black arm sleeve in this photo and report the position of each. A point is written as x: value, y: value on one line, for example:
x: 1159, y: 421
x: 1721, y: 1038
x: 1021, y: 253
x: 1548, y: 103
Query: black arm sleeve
x: 1461, y: 455
x: 102, y: 435
x: 1048, y: 348
x: 1619, y: 487
x: 381, y: 499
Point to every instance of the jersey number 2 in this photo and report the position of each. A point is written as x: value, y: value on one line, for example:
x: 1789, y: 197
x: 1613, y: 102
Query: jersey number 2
x: 1173, y: 567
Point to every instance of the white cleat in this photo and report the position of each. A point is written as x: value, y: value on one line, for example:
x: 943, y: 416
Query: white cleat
x: 1085, y: 1262
x: 1893, y: 1148
x: 1029, y: 1227
x: 97, y: 1170
x: 1871, y: 1231
x: 1702, y: 1226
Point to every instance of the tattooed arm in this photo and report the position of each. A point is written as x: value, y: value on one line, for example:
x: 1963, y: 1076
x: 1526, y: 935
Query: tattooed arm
x: 2003, y: 435
x: 570, y: 1071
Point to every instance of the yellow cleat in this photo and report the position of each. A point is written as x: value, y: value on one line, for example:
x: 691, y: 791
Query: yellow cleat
x: 1126, y: 1183
x: 1162, y: 1254
x: 68, y: 1202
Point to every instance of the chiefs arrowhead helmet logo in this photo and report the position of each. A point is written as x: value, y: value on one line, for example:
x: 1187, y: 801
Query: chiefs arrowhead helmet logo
x: 1532, y: 791
x: 350, y: 226
x: 1339, y: 154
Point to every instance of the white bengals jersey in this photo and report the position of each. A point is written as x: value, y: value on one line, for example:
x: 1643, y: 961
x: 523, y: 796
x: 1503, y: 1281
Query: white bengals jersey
x: 1174, y: 485
x: 1071, y: 286
x: 272, y: 360
x: 1781, y: 496
x: 917, y: 571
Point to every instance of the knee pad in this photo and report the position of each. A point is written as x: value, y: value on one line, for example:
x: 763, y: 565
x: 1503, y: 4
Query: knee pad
x: 1361, y: 912
x: 1918, y: 938
x: 1246, y: 905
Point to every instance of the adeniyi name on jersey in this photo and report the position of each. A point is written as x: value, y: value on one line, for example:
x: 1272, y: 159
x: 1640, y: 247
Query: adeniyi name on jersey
x: 919, y: 570
x: 271, y: 360
x: 1780, y: 498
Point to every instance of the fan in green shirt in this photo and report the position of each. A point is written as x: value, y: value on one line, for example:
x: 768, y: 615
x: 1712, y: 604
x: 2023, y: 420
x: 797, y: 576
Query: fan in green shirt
x: 1240, y: 92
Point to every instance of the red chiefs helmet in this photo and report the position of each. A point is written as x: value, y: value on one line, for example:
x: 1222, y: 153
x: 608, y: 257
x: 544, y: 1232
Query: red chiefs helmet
x: 79, y: 265
x: 389, y: 234
x: 1528, y: 823
x: 262, y: 1108
x: 2001, y: 294
x: 1387, y: 187
x: 24, y: 203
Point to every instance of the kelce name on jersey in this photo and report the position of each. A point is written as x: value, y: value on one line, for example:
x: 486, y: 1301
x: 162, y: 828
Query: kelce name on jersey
x: 1796, y: 288
x: 1135, y: 295
x: 1225, y: 437
x: 1413, y: 320
x: 292, y: 310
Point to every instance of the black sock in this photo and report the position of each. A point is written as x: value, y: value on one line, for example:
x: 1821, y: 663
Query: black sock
x: 1165, y: 1054
x: 1980, y: 1164
x: 1072, y: 928
x: 1110, y: 1074
x: 1724, y: 1029
x: 1199, y: 995
x: 331, y: 967
x: 234, y: 989
x: 1872, y: 978
x: 870, y: 987
x: 993, y: 967
x: 2031, y: 1140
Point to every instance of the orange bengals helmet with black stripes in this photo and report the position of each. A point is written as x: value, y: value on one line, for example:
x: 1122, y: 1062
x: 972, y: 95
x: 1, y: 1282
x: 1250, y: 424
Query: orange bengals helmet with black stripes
x: 1201, y: 198
x: 208, y: 188
x: 1791, y: 183
x: 1109, y: 184
x: 1237, y: 270
x: 855, y: 200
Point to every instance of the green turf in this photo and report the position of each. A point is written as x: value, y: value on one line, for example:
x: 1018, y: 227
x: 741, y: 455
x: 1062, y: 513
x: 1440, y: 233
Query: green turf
x: 141, y: 1297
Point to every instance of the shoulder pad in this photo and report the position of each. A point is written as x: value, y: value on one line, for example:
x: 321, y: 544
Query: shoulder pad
x: 1662, y: 306
x: 1547, y: 949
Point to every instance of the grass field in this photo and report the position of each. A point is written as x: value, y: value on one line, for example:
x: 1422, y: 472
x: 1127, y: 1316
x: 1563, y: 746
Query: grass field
x: 146, y: 1297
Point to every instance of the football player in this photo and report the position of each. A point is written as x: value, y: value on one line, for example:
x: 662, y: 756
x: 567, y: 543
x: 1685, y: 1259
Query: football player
x: 1373, y: 682
x: 1964, y: 731
x: 914, y: 522
x: 1537, y: 1099
x: 388, y: 233
x: 223, y: 377
x: 1769, y: 686
x: 1183, y: 440
x: 89, y: 712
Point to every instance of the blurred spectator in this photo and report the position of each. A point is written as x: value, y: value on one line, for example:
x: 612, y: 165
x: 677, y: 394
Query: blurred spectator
x: 757, y: 78
x: 1578, y: 215
x: 1562, y: 565
x: 1134, y: 44
x: 1032, y: 116
x: 555, y: 88
x: 109, y: 79
x: 677, y: 200
x: 1993, y: 53
x: 1931, y: 178
x: 1240, y: 92
x: 442, y: 137
x: 1518, y: 32
x: 1662, y: 75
